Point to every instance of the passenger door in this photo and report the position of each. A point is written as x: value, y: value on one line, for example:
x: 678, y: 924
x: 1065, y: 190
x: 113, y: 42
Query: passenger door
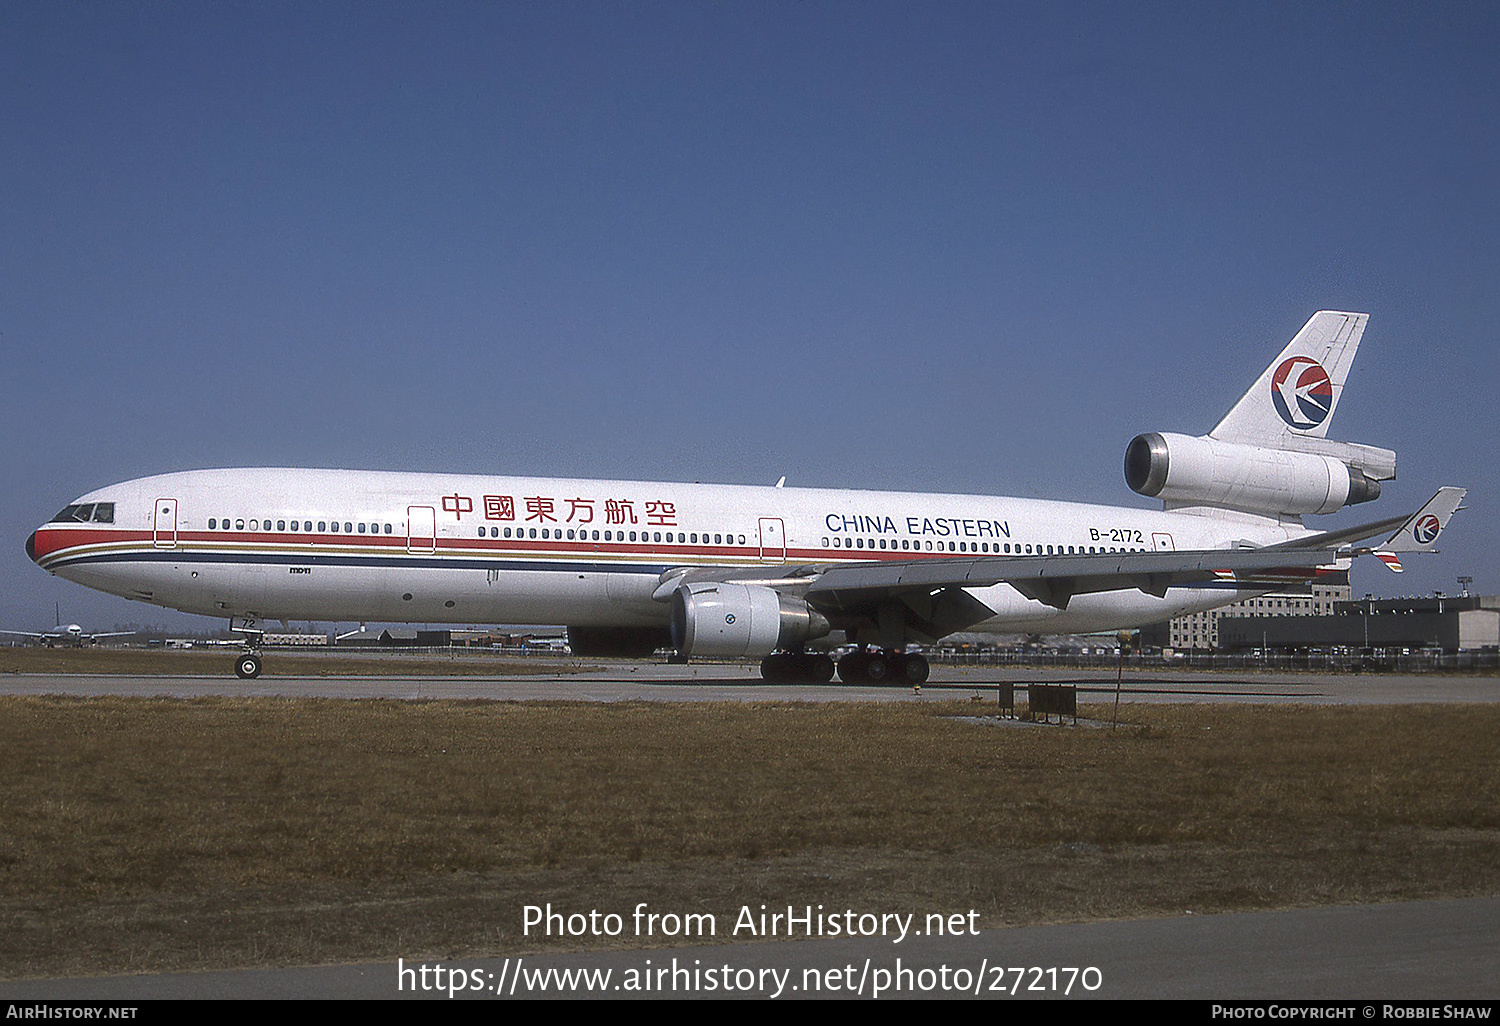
x: 421, y: 529
x: 164, y: 524
x: 772, y: 540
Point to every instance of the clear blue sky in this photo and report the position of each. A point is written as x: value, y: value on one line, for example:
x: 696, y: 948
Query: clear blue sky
x: 940, y: 246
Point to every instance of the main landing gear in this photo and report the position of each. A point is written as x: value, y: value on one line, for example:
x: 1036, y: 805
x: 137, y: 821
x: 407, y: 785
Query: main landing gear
x: 876, y: 666
x: 797, y: 668
x: 862, y: 666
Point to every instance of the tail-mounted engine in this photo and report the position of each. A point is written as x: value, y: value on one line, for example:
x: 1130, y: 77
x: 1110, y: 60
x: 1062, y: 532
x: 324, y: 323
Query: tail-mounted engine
x: 1187, y: 470
x: 741, y: 620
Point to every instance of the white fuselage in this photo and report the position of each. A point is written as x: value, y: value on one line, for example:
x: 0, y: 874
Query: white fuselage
x: 339, y: 545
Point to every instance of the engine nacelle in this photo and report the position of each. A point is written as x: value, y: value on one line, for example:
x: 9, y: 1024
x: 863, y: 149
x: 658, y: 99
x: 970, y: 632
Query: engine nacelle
x: 740, y: 620
x: 1199, y: 470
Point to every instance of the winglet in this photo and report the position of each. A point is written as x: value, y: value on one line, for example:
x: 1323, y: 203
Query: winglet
x: 1422, y: 528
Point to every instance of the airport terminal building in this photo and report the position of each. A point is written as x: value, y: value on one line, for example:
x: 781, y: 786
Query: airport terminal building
x: 1201, y: 631
x: 1451, y: 623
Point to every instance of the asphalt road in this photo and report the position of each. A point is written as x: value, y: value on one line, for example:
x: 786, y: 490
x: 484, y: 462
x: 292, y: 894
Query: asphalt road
x: 1444, y: 950
x: 735, y: 683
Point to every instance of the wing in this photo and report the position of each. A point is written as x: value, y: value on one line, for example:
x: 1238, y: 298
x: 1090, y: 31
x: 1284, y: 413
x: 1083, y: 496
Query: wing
x: 933, y: 594
x: 25, y: 634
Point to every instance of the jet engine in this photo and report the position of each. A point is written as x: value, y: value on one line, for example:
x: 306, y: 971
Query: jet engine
x: 740, y: 620
x: 1186, y: 470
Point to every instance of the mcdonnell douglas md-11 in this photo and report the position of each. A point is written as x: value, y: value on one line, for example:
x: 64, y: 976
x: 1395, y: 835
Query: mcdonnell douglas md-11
x: 769, y: 573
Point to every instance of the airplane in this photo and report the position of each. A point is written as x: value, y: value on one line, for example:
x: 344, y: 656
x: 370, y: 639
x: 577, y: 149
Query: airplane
x: 769, y: 573
x: 67, y: 634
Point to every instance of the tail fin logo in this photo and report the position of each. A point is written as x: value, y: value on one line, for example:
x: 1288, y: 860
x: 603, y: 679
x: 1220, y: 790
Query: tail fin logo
x: 1426, y: 529
x: 1302, y: 392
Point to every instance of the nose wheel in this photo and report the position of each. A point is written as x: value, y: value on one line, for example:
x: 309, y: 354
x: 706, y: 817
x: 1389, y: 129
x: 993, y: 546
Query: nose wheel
x: 247, y: 667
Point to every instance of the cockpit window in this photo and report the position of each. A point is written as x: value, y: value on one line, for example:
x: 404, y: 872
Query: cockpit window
x: 82, y: 513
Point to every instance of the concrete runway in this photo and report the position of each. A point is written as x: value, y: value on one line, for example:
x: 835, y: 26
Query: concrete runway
x: 713, y: 683
x: 1442, y: 950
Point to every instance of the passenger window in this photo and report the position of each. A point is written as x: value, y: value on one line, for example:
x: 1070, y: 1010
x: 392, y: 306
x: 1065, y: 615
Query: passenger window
x: 387, y: 528
x: 361, y: 527
x: 334, y: 527
x: 239, y: 525
x: 294, y: 525
x: 211, y: 523
x: 533, y: 532
x: 348, y: 527
x: 322, y: 526
x: 656, y: 536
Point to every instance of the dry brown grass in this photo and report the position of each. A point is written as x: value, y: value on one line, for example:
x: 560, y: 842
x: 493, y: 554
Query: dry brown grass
x: 155, y: 833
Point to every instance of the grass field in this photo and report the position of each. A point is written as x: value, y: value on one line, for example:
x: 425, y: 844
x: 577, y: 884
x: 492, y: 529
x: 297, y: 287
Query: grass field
x: 144, y: 834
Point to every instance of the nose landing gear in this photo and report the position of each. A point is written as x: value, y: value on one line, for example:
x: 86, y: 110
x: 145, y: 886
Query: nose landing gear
x: 247, y: 666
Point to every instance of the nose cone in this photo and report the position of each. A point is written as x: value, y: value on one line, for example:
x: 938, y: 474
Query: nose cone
x: 31, y: 547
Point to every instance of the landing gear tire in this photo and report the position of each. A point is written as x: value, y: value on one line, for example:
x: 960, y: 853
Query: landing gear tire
x: 883, y: 668
x: 796, y: 667
x: 247, y: 667
x: 852, y: 668
x: 912, y: 669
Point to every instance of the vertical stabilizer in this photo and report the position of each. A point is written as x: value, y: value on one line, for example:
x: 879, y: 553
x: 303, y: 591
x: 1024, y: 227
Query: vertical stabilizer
x: 1297, y: 394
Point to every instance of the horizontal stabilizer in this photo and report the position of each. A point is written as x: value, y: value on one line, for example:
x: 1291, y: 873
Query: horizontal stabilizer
x: 1421, y: 529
